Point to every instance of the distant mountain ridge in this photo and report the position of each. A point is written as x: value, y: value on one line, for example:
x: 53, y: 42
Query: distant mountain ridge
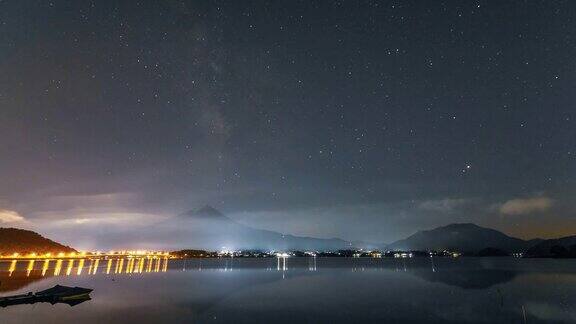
x: 564, y: 247
x: 14, y: 240
x: 206, y: 211
x: 464, y: 237
x: 208, y: 228
x: 211, y: 229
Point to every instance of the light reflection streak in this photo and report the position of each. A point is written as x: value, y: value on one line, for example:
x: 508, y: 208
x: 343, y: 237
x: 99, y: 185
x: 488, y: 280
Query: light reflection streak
x: 138, y: 264
x: 58, y: 267
x: 96, y: 263
x: 108, y: 266
x: 54, y: 267
x: 130, y: 266
x: 80, y: 267
x: 45, y: 267
x: 281, y: 265
x: 157, y: 269
x: 149, y: 268
x: 30, y: 267
x: 12, y: 268
x: 119, y: 266
x: 141, y: 265
x: 69, y: 269
x: 312, y: 264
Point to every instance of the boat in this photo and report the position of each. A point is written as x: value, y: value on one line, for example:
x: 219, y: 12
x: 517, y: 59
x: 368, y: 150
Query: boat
x: 57, y: 294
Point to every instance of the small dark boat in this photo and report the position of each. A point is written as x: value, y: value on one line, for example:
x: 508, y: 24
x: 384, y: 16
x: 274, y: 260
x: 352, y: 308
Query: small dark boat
x: 57, y: 294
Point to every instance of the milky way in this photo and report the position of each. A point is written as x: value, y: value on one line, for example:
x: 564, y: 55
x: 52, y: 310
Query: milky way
x: 358, y: 119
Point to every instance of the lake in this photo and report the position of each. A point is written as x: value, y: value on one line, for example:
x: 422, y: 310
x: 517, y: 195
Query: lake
x: 296, y: 290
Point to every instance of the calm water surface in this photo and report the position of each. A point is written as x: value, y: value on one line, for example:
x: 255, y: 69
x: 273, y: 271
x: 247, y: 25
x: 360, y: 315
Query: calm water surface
x: 322, y: 290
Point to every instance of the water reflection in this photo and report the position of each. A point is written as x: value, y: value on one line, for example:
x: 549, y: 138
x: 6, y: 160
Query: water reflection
x: 70, y: 266
x: 57, y: 268
x: 30, y: 267
x: 327, y: 290
x: 281, y: 263
x: 17, y: 274
x: 471, y: 279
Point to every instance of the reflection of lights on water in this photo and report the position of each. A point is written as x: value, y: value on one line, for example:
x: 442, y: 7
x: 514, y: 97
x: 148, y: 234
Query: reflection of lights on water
x: 12, y: 267
x: 149, y: 268
x: 96, y: 263
x: 80, y: 267
x: 109, y: 266
x: 157, y: 269
x: 30, y: 267
x: 45, y: 267
x: 138, y: 265
x: 129, y: 266
x: 132, y: 263
x: 312, y: 264
x: 69, y: 268
x: 133, y: 266
x: 119, y: 265
x: 58, y: 267
x: 281, y: 263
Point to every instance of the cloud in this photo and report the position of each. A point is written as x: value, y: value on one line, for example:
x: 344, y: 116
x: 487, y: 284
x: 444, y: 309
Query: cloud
x: 70, y: 206
x: 121, y: 219
x: 526, y: 206
x: 10, y: 216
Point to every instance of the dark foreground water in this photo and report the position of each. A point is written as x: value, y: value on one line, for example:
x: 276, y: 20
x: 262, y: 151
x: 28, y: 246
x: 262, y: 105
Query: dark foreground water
x: 323, y: 290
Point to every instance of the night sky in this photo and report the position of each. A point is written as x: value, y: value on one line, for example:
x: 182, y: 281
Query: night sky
x: 355, y: 119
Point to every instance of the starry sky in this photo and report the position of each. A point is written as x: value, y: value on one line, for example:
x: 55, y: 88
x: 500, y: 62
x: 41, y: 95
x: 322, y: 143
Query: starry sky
x: 365, y: 120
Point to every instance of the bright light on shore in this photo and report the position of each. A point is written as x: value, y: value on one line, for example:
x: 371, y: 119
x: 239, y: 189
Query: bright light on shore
x: 82, y: 255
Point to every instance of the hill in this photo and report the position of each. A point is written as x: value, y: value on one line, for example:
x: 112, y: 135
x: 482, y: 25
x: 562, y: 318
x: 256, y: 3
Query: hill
x: 24, y: 241
x: 464, y: 237
x: 564, y: 247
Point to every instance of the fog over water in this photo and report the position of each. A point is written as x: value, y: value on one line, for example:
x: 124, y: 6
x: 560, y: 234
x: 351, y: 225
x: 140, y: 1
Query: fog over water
x: 335, y: 290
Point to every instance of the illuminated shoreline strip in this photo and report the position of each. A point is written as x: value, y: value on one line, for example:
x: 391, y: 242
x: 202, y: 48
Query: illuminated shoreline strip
x: 133, y: 266
x: 84, y: 255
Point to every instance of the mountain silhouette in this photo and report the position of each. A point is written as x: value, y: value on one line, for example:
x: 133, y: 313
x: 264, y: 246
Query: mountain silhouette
x: 24, y: 242
x: 204, y: 212
x: 564, y: 247
x: 208, y: 228
x: 463, y: 237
